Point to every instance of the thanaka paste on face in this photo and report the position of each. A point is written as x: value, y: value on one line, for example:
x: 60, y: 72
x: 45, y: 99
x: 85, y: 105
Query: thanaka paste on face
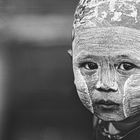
x: 106, y: 28
x: 82, y: 90
x: 132, y: 94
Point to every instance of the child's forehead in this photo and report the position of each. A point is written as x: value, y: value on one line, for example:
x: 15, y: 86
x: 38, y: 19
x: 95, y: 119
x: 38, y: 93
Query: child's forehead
x: 113, y: 57
x: 113, y: 52
x: 107, y: 41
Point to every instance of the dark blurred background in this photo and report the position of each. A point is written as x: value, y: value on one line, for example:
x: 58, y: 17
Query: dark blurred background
x: 42, y: 103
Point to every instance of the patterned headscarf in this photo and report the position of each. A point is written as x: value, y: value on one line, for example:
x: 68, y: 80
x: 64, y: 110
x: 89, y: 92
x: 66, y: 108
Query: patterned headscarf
x: 107, y: 13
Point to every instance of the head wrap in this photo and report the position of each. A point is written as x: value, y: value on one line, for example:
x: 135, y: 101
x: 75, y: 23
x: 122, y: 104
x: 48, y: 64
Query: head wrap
x: 102, y: 13
x: 107, y: 13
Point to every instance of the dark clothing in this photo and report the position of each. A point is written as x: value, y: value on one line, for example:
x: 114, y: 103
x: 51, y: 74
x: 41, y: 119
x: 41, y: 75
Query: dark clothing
x: 124, y: 130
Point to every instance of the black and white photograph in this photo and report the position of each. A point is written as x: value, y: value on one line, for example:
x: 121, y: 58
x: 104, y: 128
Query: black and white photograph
x: 69, y: 69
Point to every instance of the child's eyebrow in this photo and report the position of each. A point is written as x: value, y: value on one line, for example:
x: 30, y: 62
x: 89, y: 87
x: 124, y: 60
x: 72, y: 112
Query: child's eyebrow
x: 129, y: 56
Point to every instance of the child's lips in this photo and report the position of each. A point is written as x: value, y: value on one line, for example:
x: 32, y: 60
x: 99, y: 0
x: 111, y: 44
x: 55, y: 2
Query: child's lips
x: 106, y: 104
x: 103, y: 102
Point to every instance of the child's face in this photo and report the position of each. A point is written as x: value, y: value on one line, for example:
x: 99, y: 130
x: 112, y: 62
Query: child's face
x: 106, y: 65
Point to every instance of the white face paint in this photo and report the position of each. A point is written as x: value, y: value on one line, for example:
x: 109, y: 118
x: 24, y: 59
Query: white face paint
x: 82, y: 90
x: 132, y: 95
x: 107, y: 75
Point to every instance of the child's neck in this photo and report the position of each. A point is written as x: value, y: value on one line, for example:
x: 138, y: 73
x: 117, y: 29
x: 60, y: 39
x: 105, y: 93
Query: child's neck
x: 116, y: 130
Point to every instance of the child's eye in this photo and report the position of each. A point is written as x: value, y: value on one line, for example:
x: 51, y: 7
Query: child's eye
x: 89, y: 65
x: 126, y: 66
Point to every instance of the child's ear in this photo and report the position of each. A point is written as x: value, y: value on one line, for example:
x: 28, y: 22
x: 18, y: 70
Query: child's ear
x: 70, y: 52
